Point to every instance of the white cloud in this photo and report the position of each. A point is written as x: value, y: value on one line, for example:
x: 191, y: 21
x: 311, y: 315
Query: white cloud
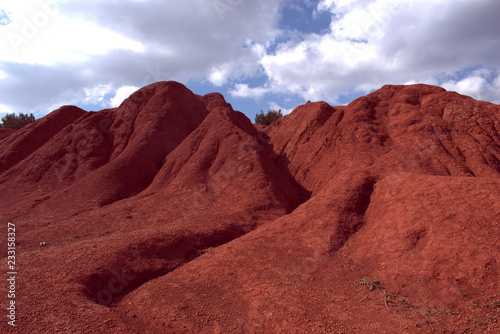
x: 374, y: 42
x: 95, y: 95
x: 276, y: 106
x: 83, y: 52
x: 245, y: 64
x: 40, y: 34
x: 121, y: 94
x: 325, y: 5
x: 219, y: 75
x: 72, y: 45
x: 243, y: 90
x: 477, y: 85
x: 4, y: 110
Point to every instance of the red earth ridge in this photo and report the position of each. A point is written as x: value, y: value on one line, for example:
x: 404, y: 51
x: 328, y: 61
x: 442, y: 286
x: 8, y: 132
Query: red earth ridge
x: 173, y: 213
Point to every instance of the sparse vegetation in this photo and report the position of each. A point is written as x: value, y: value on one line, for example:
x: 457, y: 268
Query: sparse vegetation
x: 268, y: 118
x: 450, y: 312
x: 388, y: 296
x: 431, y: 311
x: 423, y: 323
x: 371, y: 284
x: 12, y: 121
x: 405, y: 302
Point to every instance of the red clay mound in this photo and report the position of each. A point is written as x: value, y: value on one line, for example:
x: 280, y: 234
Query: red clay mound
x: 174, y: 214
x: 5, y: 132
x: 33, y: 136
x: 102, y: 157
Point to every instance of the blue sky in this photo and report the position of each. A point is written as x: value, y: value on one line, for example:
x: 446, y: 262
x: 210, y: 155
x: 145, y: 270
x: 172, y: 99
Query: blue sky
x: 260, y: 54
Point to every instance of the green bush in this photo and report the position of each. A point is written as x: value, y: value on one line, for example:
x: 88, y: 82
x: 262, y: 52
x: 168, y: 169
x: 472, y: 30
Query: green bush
x: 268, y: 118
x: 16, y: 122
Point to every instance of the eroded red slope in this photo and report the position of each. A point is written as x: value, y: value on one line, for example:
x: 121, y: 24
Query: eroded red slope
x: 183, y: 217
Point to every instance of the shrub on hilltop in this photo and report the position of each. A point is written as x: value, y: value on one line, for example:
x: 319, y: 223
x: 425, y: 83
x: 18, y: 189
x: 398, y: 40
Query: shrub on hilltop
x: 16, y: 122
x: 268, y: 118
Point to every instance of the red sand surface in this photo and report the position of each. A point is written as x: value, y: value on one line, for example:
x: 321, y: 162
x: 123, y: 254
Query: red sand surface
x: 175, y: 214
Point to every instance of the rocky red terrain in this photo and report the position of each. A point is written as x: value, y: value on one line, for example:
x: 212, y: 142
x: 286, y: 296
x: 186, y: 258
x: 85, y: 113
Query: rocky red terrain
x: 173, y: 213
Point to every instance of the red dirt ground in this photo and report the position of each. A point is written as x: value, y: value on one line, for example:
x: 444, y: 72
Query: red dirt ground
x: 174, y: 214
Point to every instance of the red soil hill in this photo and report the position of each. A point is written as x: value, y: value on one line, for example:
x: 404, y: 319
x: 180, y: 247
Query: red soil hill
x: 173, y: 213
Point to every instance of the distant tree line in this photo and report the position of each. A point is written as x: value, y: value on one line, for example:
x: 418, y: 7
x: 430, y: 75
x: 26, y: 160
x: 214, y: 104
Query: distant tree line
x: 268, y: 118
x: 13, y: 121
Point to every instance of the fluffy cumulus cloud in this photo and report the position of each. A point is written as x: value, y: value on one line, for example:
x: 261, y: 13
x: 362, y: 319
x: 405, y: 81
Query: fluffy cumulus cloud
x: 243, y: 90
x: 61, y: 51
x: 373, y: 42
x: 483, y: 84
x: 244, y: 65
x: 262, y: 52
x: 121, y: 94
x: 275, y: 106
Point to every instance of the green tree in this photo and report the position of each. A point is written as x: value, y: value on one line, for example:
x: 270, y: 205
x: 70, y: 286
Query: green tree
x: 17, y: 122
x: 268, y: 118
